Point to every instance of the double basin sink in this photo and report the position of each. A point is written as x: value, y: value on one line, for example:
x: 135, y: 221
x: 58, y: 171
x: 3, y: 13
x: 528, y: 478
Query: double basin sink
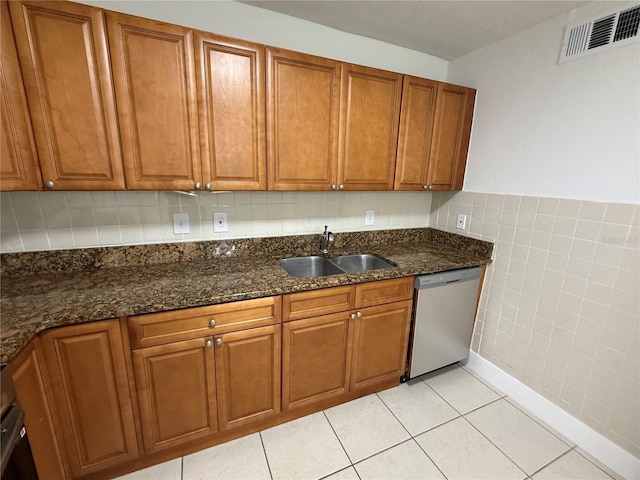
x: 316, y: 266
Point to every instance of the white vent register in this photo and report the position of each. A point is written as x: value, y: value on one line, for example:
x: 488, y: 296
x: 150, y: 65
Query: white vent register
x: 608, y: 30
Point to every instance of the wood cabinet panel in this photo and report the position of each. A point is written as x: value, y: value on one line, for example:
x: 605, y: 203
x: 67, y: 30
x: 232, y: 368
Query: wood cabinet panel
x: 451, y: 136
x: 369, y: 116
x: 153, y: 70
x: 91, y: 394
x: 248, y: 375
x: 380, y: 339
x: 416, y: 128
x: 65, y: 64
x: 315, y: 360
x: 29, y: 379
x: 164, y: 327
x: 383, y: 291
x: 232, y: 112
x: 302, y: 120
x: 19, y: 169
x: 317, y: 302
x: 176, y: 391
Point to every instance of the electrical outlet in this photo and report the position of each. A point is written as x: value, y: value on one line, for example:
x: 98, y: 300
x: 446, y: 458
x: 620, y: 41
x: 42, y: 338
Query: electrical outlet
x: 180, y: 223
x: 220, y: 222
x: 369, y: 217
x: 462, y: 222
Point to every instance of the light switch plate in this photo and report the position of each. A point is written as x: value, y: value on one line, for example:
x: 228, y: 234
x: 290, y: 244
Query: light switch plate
x: 220, y: 222
x: 369, y: 217
x: 180, y: 223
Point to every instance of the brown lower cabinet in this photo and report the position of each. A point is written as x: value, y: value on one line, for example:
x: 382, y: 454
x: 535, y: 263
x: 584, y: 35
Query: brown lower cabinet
x: 108, y: 397
x: 193, y: 388
x: 176, y: 392
x: 91, y: 397
x: 338, y: 354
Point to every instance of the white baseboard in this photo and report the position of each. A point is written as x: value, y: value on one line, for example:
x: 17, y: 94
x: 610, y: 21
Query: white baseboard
x: 592, y: 442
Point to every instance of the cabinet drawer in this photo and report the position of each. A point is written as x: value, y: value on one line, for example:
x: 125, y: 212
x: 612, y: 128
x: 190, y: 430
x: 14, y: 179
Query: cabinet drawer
x: 165, y: 327
x: 317, y: 302
x: 384, y: 291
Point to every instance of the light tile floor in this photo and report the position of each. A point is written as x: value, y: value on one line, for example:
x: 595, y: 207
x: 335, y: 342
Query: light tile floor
x: 444, y: 425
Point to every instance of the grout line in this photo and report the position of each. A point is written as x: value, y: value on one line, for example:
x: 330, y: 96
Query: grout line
x: 339, y: 441
x: 538, y: 421
x: 430, y: 459
x: 554, y: 460
x: 499, y: 449
x: 394, y: 416
x: 597, y: 466
x: 182, y: 468
x: 266, y: 457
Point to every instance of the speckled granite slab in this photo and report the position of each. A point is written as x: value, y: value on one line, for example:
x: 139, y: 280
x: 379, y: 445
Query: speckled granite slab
x: 74, y: 286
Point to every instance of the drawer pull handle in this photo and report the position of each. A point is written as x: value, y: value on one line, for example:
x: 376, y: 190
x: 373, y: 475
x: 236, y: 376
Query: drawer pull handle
x: 208, y: 344
x: 212, y: 323
x: 218, y: 341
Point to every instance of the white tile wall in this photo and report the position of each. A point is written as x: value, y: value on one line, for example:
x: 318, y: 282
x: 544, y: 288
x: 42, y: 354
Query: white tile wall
x: 32, y: 221
x: 561, y: 302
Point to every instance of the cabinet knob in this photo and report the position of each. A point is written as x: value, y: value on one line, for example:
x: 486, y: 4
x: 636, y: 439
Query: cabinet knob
x: 353, y: 316
x: 358, y: 315
x: 430, y: 187
x: 49, y: 184
x: 341, y: 187
x: 197, y: 186
x: 425, y: 187
x: 218, y: 341
x: 208, y: 344
x: 212, y: 323
x: 334, y: 186
x: 207, y: 186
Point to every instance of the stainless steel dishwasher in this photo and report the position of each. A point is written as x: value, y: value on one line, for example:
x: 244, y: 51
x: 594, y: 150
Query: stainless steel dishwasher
x: 443, y: 319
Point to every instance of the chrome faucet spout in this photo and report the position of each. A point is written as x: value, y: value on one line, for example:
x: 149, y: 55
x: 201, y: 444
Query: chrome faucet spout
x: 325, y: 239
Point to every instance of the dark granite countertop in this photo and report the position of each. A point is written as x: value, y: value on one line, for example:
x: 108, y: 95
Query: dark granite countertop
x: 56, y: 296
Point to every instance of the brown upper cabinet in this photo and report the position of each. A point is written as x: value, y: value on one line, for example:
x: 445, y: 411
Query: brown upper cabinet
x: 330, y: 125
x: 153, y: 71
x: 369, y: 116
x: 156, y: 106
x: 303, y: 107
x: 19, y: 168
x: 435, y: 125
x: 65, y: 65
x: 231, y: 109
x: 416, y: 129
x: 451, y: 136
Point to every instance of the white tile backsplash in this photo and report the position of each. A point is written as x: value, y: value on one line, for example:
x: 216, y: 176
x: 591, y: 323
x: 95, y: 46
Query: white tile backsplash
x: 32, y: 221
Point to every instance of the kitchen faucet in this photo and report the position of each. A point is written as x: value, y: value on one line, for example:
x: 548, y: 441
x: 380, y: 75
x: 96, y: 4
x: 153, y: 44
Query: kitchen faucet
x: 325, y: 239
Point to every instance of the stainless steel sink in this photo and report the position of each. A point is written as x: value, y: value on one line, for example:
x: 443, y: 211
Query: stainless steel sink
x: 309, y: 267
x: 315, y: 266
x: 360, y: 263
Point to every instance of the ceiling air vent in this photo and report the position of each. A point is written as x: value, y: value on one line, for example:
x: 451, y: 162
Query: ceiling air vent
x: 606, y: 31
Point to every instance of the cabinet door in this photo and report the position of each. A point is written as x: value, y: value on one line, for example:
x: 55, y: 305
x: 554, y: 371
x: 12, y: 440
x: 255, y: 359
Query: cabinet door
x: 29, y: 379
x: 315, y: 360
x: 416, y: 127
x: 231, y: 110
x: 153, y: 71
x: 176, y: 392
x: 65, y: 64
x: 380, y: 339
x: 91, y: 394
x: 19, y: 168
x: 451, y: 135
x: 248, y: 375
x: 302, y: 120
x: 369, y: 116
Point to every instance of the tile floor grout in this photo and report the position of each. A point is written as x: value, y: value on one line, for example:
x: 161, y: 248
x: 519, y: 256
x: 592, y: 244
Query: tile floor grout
x: 550, y: 456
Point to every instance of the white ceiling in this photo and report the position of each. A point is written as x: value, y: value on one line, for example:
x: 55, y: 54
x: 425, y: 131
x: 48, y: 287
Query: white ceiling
x: 445, y: 29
